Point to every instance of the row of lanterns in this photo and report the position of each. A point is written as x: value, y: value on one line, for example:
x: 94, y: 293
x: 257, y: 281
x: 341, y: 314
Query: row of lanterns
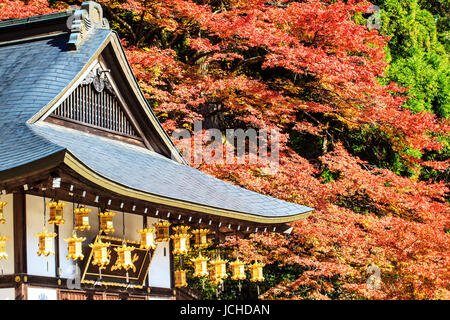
x: 101, y: 252
x: 149, y: 237
x: 218, y: 270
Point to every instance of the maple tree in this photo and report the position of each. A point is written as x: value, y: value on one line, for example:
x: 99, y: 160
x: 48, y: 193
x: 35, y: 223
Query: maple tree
x: 348, y: 148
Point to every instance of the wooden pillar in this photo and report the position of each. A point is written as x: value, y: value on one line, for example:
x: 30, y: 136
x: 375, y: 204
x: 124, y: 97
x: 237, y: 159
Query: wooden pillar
x: 172, y: 266
x: 57, y: 254
x: 20, y: 243
x: 20, y: 233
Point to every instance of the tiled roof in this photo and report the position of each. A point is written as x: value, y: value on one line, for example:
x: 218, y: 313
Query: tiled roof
x: 141, y: 169
x: 34, y: 72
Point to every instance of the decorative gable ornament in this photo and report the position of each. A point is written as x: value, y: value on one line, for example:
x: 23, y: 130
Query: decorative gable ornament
x: 99, y: 80
x: 83, y: 20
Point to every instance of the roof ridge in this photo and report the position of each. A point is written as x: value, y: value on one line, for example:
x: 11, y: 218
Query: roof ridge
x: 42, y: 17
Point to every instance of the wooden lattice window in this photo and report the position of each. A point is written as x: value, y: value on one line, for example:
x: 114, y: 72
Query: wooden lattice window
x: 90, y: 104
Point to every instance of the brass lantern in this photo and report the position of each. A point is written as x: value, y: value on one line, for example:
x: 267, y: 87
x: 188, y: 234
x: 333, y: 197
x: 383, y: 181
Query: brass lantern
x: 201, y: 240
x: 147, y: 238
x: 101, y: 253
x: 256, y: 271
x: 106, y: 221
x: 180, y: 278
x: 162, y: 231
x: 45, y: 243
x: 75, y: 247
x: 56, y: 212
x: 82, y: 219
x: 124, y: 259
x: 237, y: 270
x: 200, y: 266
x: 181, y: 240
x: 218, y: 270
x: 3, y: 253
x: 2, y: 204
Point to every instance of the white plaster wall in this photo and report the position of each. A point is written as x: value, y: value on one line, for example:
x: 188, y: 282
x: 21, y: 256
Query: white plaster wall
x: 65, y: 232
x: 159, y: 270
x: 37, y: 265
x: 133, y: 223
x: 7, y: 229
x: 7, y: 294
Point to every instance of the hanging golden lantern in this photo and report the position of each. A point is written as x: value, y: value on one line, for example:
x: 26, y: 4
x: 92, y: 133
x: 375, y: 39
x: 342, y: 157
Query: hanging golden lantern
x: 181, y: 240
x: 45, y: 243
x: 56, y: 212
x: 218, y: 270
x: 162, y: 231
x: 2, y: 204
x: 106, y: 221
x: 200, y: 266
x: 82, y: 218
x: 201, y: 240
x: 124, y: 259
x: 3, y: 254
x: 256, y: 271
x: 237, y: 270
x: 101, y: 253
x: 75, y: 247
x: 147, y: 238
x: 180, y: 278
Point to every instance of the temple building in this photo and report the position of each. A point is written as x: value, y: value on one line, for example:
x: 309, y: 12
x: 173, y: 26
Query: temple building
x: 96, y: 202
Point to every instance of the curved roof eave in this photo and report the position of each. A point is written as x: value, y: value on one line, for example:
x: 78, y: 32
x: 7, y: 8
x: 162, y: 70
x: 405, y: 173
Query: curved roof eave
x: 67, y: 158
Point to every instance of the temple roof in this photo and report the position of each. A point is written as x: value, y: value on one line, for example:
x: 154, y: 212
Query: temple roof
x: 37, y: 69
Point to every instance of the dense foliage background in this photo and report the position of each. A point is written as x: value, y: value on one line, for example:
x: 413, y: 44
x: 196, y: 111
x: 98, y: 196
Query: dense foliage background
x: 364, y: 122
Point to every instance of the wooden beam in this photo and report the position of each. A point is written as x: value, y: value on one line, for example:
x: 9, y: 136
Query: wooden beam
x: 20, y: 233
x: 57, y: 252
